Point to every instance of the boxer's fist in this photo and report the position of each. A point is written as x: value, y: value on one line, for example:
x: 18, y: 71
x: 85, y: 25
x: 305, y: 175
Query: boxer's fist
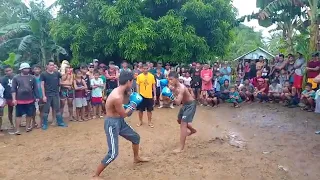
x: 164, y: 82
x: 168, y: 93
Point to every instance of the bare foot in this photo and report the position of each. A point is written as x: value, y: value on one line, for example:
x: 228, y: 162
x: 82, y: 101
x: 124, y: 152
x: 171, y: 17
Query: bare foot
x: 139, y: 124
x: 96, y: 177
x: 177, y: 150
x: 192, y: 132
x: 141, y: 160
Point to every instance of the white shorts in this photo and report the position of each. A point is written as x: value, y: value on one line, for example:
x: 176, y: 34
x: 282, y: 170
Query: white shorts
x: 80, y: 102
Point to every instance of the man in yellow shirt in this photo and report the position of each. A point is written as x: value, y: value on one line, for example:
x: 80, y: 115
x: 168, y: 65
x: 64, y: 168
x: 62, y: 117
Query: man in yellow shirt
x: 146, y: 87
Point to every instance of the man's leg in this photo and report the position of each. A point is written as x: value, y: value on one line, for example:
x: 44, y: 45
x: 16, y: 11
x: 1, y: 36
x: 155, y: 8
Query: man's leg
x: 62, y: 103
x: 183, y: 135
x: 56, y: 108
x: 149, y: 112
x: 131, y: 135
x: 10, y: 116
x: 19, y: 113
x: 113, y: 147
x: 45, y: 113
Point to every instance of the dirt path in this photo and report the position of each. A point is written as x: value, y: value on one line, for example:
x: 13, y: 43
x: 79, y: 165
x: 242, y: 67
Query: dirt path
x: 250, y: 143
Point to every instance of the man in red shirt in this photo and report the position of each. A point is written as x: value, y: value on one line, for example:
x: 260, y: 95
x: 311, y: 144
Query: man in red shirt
x: 313, y: 69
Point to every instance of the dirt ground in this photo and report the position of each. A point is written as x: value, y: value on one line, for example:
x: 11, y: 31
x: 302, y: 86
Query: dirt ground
x: 254, y: 142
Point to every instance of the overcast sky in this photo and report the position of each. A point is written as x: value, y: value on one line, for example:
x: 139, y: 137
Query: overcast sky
x: 245, y: 7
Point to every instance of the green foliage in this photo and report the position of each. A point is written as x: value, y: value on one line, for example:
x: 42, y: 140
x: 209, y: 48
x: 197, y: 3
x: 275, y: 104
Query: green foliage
x: 166, y: 30
x: 11, y: 60
x: 245, y: 39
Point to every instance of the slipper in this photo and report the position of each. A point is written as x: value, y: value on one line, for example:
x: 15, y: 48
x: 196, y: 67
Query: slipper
x: 28, y: 129
x: 151, y: 125
x: 15, y: 133
x: 140, y: 124
x: 317, y: 132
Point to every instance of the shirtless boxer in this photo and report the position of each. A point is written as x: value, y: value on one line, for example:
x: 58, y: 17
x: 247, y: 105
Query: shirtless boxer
x: 66, y: 91
x: 181, y: 95
x: 115, y: 124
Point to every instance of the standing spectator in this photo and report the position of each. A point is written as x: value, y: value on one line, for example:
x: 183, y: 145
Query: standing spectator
x: 260, y: 63
x: 2, y: 104
x: 298, y: 66
x: 152, y: 70
x: 159, y: 65
x: 136, y: 72
x: 95, y: 63
x: 290, y: 68
x: 86, y: 78
x: 50, y: 84
x: 265, y: 71
x: 80, y: 100
x: 240, y: 72
x: 7, y: 85
x: 206, y: 84
x: 24, y: 94
x: 124, y: 66
x: 313, y: 69
x: 225, y: 70
x: 158, y: 77
x: 112, y: 77
x: 146, y: 87
x: 96, y: 99
x: 167, y: 70
x: 196, y: 81
x: 246, y: 70
x: 253, y: 70
x: 37, y: 73
x: 281, y: 64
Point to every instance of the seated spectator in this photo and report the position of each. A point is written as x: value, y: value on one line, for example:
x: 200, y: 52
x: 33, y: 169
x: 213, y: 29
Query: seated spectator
x: 212, y: 99
x: 275, y: 90
x: 307, y: 97
x: 234, y: 97
x: 289, y: 95
x: 255, y: 79
x: 262, y: 90
x: 225, y: 89
x: 165, y: 102
x: 247, y: 90
x: 283, y: 77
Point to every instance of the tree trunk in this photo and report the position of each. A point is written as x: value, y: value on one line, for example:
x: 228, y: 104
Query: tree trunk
x: 314, y: 28
x: 43, y: 53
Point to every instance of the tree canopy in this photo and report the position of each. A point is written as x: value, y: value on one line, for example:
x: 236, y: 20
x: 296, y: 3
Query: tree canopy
x: 161, y: 30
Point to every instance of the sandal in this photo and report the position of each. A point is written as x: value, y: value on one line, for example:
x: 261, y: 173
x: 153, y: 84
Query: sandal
x: 28, y: 129
x: 15, y: 133
x: 151, y: 125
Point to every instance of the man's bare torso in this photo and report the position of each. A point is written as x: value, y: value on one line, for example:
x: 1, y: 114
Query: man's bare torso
x: 183, y: 90
x: 67, y: 80
x: 114, y: 98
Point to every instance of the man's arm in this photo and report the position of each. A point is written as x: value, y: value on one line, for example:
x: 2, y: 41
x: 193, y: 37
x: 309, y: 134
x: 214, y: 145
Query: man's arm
x: 314, y: 69
x: 35, y: 89
x: 14, y: 89
x: 137, y: 85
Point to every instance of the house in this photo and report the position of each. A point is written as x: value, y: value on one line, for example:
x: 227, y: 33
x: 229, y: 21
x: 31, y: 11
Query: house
x: 254, y: 55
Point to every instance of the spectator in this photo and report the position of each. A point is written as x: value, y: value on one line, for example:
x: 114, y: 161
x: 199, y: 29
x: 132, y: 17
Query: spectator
x: 7, y: 85
x: 313, y: 69
x: 307, y: 98
x: 260, y: 63
x: 124, y: 66
x: 225, y: 70
x: 298, y: 72
x: 275, y: 90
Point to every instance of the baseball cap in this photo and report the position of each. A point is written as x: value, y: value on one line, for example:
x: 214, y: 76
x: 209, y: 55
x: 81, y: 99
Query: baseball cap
x: 24, y: 66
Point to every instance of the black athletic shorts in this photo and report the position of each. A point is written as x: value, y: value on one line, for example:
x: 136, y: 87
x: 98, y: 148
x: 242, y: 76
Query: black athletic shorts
x: 146, y: 104
x: 25, y: 109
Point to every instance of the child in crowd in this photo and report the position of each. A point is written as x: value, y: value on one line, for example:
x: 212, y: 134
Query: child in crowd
x: 246, y: 91
x: 255, y: 79
x: 2, y: 104
x: 289, y: 95
x: 234, y: 97
x: 212, y: 100
x: 275, y: 90
x: 158, y: 77
x: 307, y: 97
x: 36, y: 72
x: 187, y: 79
x: 80, y: 87
x: 262, y: 90
x: 96, y: 99
x: 283, y: 77
x: 225, y: 90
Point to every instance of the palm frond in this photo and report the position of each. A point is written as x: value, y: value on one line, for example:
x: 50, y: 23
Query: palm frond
x: 10, y: 27
x: 25, y: 42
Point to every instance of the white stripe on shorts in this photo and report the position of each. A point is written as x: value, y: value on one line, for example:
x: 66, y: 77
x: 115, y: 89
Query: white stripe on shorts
x: 112, y: 146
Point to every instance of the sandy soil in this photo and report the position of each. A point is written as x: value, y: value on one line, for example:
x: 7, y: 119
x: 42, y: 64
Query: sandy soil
x: 254, y: 142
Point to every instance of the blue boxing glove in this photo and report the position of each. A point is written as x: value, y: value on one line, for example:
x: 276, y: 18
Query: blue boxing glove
x: 168, y: 93
x: 135, y: 100
x: 164, y: 83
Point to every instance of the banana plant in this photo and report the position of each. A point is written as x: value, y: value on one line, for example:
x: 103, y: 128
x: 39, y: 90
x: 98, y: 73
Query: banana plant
x: 30, y: 40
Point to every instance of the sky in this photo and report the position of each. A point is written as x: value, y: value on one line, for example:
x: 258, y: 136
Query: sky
x: 245, y: 7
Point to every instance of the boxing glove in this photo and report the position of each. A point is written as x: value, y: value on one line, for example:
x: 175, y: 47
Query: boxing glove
x: 135, y: 99
x: 167, y: 92
x: 126, y: 106
x: 164, y: 83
